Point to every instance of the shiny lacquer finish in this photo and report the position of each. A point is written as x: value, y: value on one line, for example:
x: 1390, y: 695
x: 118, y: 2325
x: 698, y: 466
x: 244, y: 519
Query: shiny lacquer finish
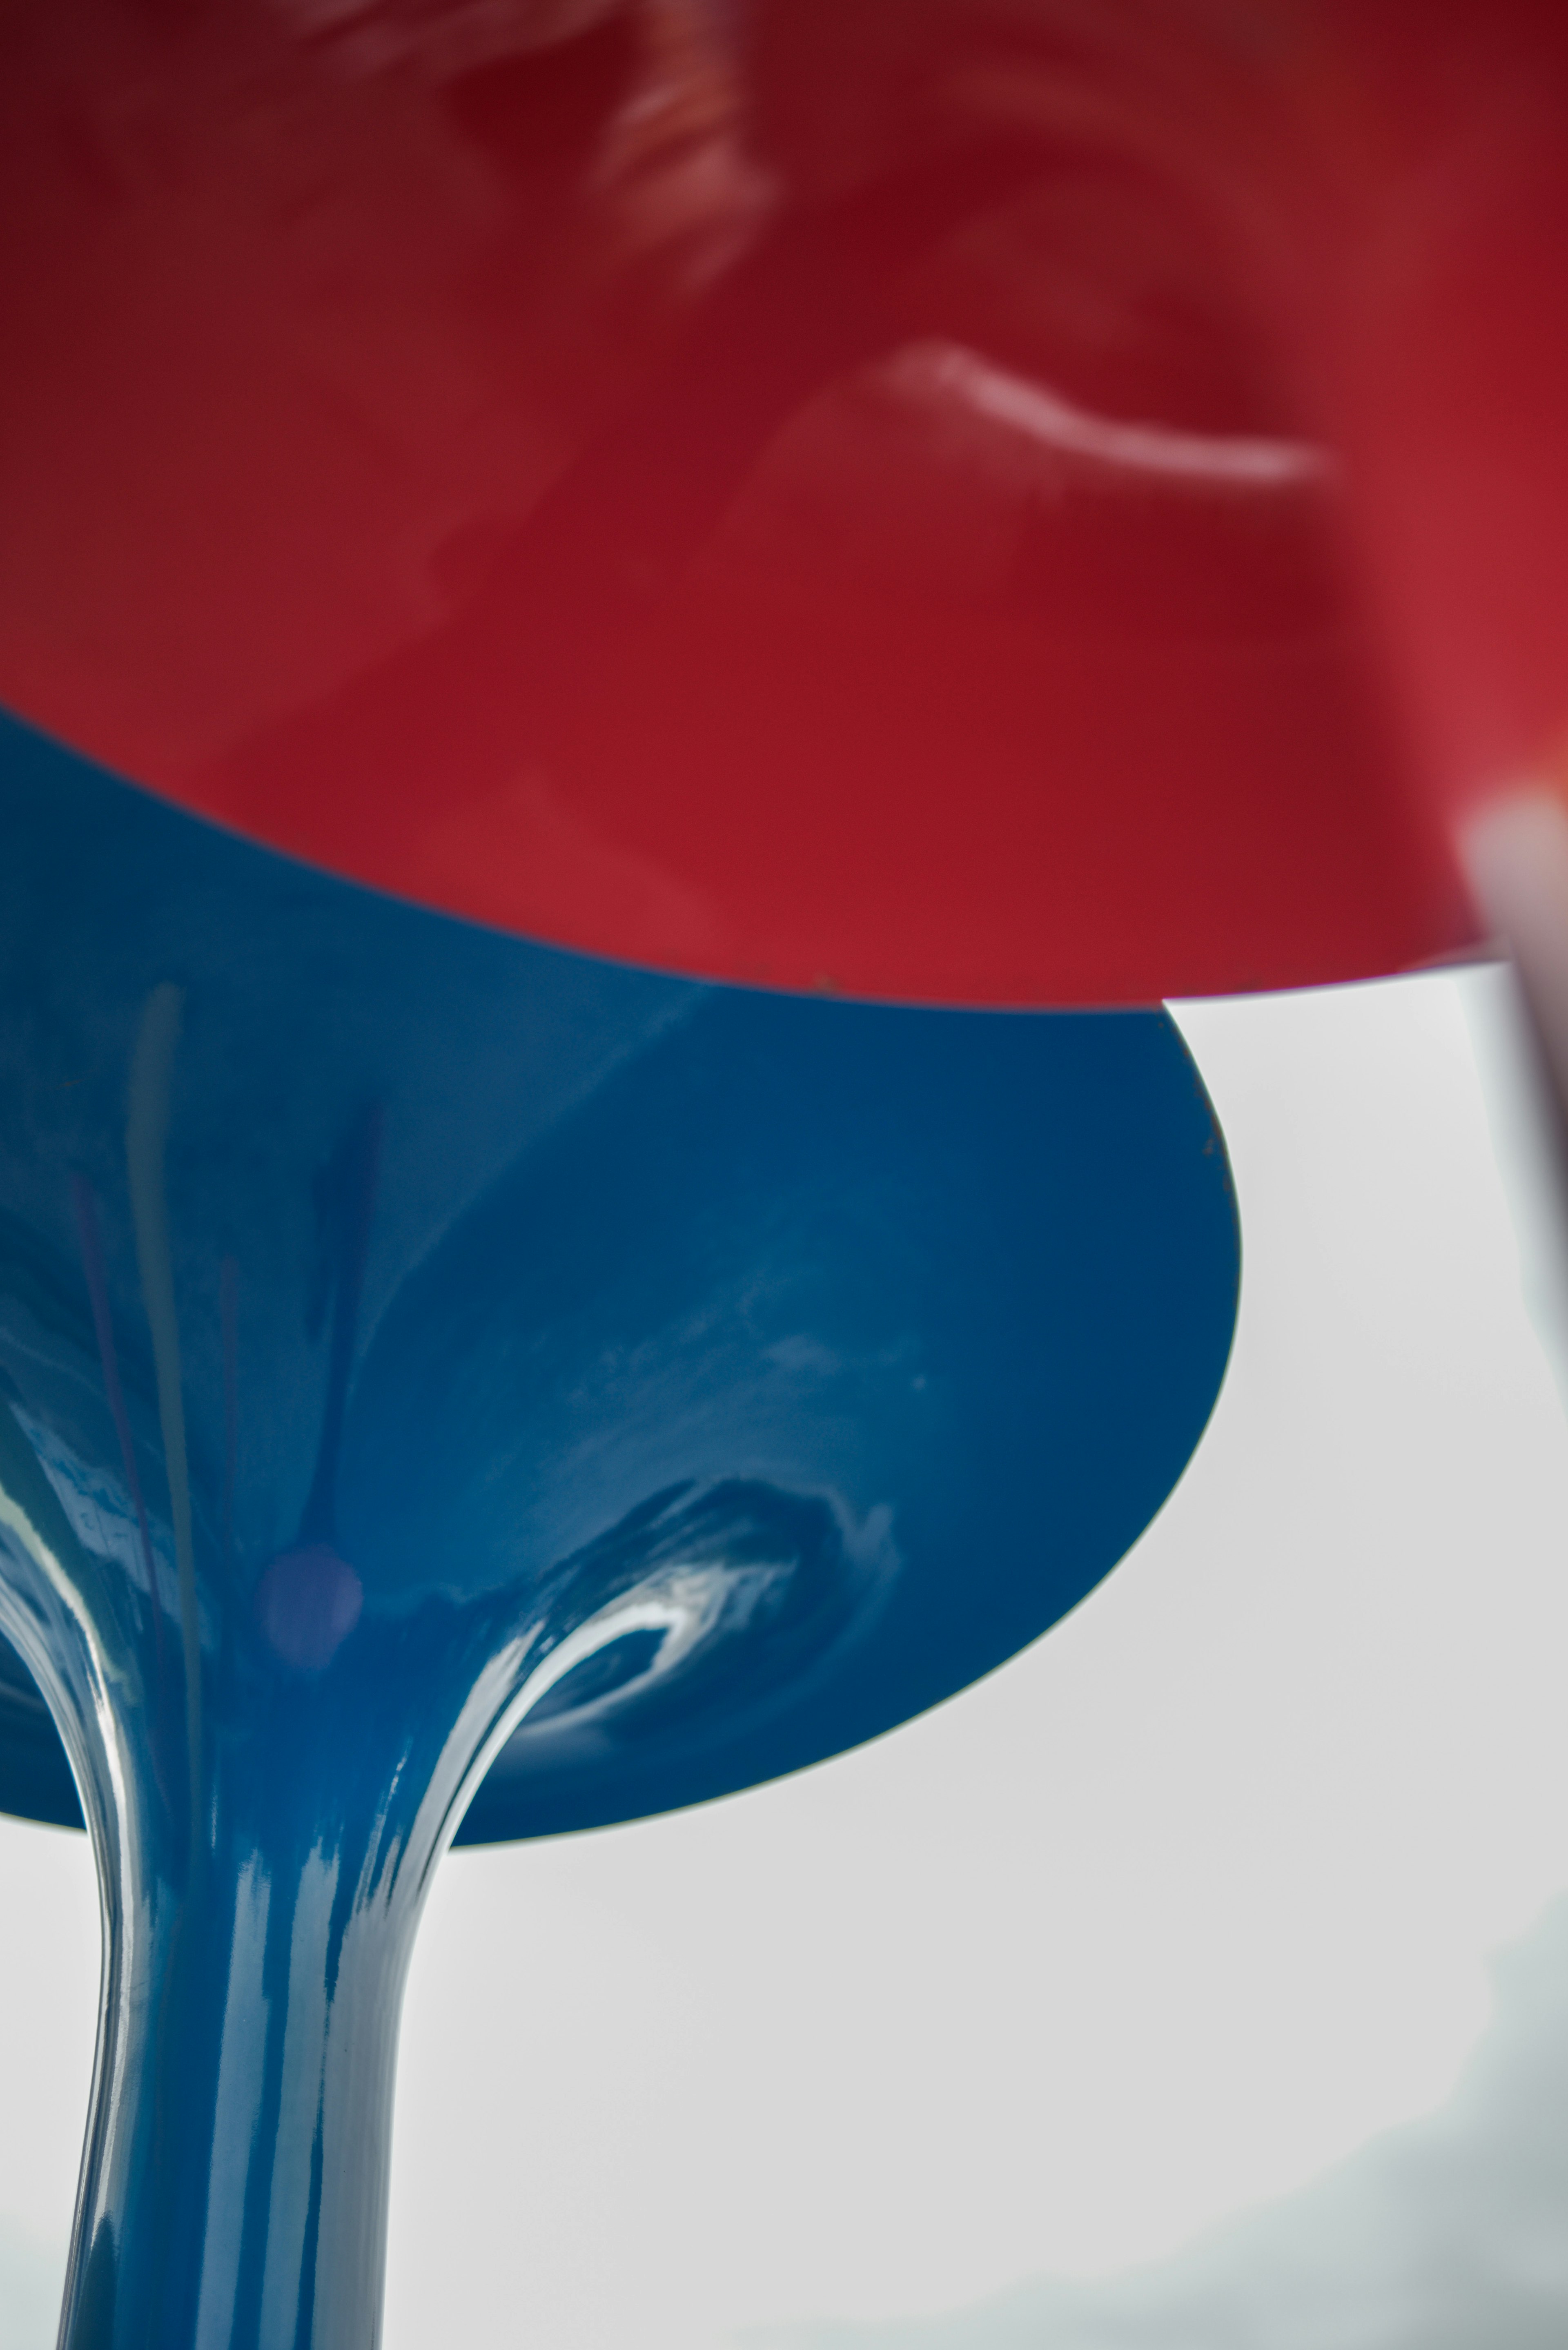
x: 419, y: 1347
x: 993, y: 500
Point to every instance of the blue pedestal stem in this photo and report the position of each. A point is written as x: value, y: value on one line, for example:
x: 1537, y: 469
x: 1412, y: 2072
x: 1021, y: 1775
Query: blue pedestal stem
x: 445, y: 1385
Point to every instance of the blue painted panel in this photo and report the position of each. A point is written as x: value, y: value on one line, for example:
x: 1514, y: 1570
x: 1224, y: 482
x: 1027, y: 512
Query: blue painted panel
x: 801, y: 1359
x: 446, y: 1381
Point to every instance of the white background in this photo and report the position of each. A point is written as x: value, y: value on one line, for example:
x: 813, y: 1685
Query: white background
x: 1161, y: 1922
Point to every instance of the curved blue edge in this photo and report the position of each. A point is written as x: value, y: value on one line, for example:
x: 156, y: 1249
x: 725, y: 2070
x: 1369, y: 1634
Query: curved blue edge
x: 803, y: 1359
x: 451, y: 1386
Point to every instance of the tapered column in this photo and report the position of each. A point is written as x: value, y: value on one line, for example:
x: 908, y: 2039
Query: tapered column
x: 413, y: 1342
x: 235, y: 2191
x: 256, y: 1936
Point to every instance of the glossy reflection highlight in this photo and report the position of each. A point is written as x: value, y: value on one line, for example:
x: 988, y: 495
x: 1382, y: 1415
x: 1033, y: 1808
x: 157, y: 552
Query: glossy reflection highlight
x: 493, y: 450
x: 444, y: 1381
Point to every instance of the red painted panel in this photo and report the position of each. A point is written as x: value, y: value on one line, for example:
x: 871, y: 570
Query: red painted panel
x: 1004, y: 501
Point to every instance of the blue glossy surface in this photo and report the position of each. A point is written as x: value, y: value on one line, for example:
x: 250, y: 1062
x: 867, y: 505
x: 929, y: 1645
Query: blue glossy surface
x: 419, y: 1348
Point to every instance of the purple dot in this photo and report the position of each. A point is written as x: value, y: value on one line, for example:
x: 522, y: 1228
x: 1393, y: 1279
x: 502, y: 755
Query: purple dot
x: 307, y: 1602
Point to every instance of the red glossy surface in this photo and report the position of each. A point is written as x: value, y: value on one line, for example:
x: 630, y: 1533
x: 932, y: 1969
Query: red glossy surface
x: 658, y: 475
x: 1443, y: 352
